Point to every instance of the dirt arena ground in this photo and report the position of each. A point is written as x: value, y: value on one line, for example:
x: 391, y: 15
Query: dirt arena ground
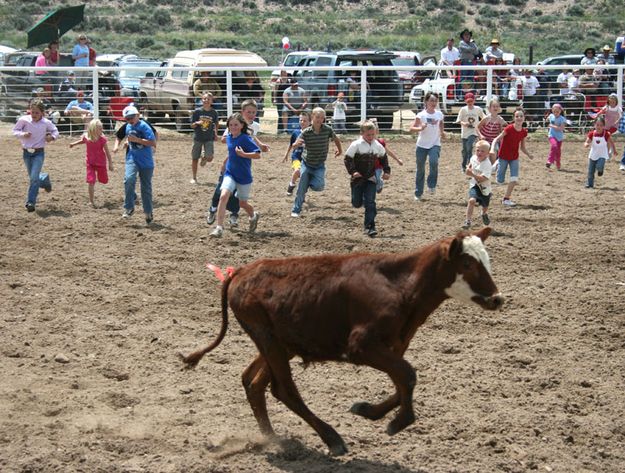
x: 96, y: 308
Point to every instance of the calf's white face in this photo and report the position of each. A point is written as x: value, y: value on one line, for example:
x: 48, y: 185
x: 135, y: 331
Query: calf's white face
x: 473, y: 281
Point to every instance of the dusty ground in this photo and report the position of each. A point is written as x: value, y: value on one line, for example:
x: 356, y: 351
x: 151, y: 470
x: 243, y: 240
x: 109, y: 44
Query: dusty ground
x: 537, y: 386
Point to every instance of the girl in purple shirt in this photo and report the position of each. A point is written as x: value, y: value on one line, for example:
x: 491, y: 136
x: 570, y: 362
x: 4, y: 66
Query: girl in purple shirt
x: 34, y: 132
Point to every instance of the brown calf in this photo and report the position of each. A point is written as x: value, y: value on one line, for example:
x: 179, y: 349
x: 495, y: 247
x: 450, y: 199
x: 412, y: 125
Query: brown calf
x: 360, y: 308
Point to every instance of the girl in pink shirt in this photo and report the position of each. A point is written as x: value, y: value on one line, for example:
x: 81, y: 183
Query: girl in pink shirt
x: 43, y: 60
x: 97, y: 156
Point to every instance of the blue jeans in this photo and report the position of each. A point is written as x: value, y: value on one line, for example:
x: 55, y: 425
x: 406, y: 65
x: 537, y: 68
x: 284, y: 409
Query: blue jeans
x: 592, y: 167
x: 433, y: 153
x: 34, y: 163
x: 623, y: 158
x: 233, y: 202
x: 363, y: 192
x: 130, y: 182
x: 309, y: 177
x: 501, y: 170
x: 467, y: 150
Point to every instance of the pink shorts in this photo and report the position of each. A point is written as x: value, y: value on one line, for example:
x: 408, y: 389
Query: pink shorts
x: 97, y: 171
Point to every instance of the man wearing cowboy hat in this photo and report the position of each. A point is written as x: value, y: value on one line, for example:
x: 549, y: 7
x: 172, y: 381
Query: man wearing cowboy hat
x: 468, y: 53
x: 590, y: 57
x: 605, y: 55
x: 493, y: 51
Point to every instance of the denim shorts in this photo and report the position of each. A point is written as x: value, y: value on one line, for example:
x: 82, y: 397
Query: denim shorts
x: 480, y: 199
x: 196, y: 151
x: 243, y: 190
x: 514, y: 170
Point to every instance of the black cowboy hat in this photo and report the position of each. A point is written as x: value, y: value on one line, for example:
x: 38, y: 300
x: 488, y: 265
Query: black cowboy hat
x: 466, y: 30
x: 594, y: 52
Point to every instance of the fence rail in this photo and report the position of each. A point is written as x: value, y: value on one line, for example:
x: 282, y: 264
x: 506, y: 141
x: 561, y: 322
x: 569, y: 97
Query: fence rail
x: 392, y: 95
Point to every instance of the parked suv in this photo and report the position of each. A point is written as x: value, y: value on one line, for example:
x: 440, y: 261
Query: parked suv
x: 168, y: 94
x: 384, y: 90
x: 129, y: 79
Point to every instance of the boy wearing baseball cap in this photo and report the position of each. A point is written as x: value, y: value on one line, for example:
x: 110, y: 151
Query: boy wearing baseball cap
x: 469, y: 116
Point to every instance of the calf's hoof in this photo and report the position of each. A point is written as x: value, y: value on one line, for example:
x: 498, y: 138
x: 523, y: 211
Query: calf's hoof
x: 337, y: 448
x: 366, y: 410
x: 399, y: 423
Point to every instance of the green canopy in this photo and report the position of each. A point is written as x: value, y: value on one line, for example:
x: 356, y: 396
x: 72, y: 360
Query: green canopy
x: 55, y: 25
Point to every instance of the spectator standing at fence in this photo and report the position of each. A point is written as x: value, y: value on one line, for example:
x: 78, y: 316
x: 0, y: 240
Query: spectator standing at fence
x: 43, y: 60
x: 360, y: 160
x: 250, y: 88
x: 563, y: 82
x: 601, y: 147
x: 339, y: 115
x: 469, y: 118
x: 98, y: 156
x: 590, y: 57
x: 283, y: 83
x: 557, y: 124
x: 531, y: 98
x: 34, y: 132
x: 295, y: 101
x: 606, y: 56
x: 139, y: 161
x: 469, y: 52
x: 512, y: 139
x: 206, y: 84
x: 574, y: 81
x: 54, y: 58
x: 429, y: 123
x: 80, y: 56
x: 205, y: 124
x: 316, y: 139
x: 449, y: 56
x: 68, y: 88
x: 493, y: 51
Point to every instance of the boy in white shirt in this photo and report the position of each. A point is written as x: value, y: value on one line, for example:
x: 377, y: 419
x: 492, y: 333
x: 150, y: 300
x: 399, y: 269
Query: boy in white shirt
x: 479, y: 170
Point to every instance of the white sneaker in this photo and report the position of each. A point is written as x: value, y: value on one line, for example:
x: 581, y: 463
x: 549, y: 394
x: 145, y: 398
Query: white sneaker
x: 508, y: 202
x: 622, y: 167
x: 294, y: 215
x: 217, y: 232
x: 192, y: 181
x: 234, y: 220
x: 432, y: 190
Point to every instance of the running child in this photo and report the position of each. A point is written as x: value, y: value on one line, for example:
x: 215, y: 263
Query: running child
x: 601, y: 145
x: 34, y: 132
x: 316, y: 139
x: 98, y: 156
x: 339, y: 115
x: 512, y: 139
x: 612, y: 113
x: 238, y: 173
x: 491, y: 126
x: 557, y: 124
x: 249, y: 110
x: 296, y: 155
x: 430, y: 125
x: 469, y: 118
x: 479, y: 170
x: 360, y: 159
x: 205, y: 124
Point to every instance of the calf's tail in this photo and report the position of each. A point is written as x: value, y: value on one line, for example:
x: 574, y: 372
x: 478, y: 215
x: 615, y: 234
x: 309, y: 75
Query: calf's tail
x: 192, y: 359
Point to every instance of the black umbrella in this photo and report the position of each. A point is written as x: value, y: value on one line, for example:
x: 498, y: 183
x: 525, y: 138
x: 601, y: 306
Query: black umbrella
x: 55, y: 25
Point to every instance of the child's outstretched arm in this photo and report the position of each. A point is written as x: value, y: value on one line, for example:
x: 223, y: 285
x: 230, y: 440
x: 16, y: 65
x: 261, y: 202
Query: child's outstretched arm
x: 392, y: 154
x: 286, y: 155
x: 417, y: 126
x: 263, y: 147
x: 76, y: 143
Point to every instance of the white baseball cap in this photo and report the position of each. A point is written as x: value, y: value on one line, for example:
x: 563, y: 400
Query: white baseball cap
x: 129, y: 111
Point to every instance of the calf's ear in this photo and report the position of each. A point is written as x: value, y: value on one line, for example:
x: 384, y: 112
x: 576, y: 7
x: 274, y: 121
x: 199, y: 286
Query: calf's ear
x: 453, y: 248
x: 483, y: 233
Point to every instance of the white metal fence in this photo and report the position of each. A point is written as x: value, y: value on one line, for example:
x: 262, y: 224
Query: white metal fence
x: 390, y: 94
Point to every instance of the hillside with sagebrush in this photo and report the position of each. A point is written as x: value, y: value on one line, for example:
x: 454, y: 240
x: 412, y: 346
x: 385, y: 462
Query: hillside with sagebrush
x: 159, y: 28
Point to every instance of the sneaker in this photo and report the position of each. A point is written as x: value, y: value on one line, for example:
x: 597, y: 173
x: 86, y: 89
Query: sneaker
x: 485, y: 219
x: 622, y: 167
x: 508, y: 202
x: 422, y: 197
x: 372, y: 232
x: 234, y: 220
x: 466, y: 225
x: 254, y: 222
x: 203, y: 161
x: 210, y: 218
x: 294, y: 215
x: 588, y: 186
x: 432, y: 190
x: 149, y: 218
x: 548, y: 165
x: 599, y: 173
x: 217, y: 232
x: 193, y: 181
x: 128, y: 213
x: 290, y: 189
x: 30, y: 206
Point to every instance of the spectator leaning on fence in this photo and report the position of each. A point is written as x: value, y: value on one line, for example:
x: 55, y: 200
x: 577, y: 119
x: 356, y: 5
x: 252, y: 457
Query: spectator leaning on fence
x: 590, y: 57
x: 493, y: 51
x: 449, y: 55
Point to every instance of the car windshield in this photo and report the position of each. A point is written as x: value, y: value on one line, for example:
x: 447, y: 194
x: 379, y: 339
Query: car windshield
x: 292, y: 60
x: 138, y: 73
x: 403, y: 61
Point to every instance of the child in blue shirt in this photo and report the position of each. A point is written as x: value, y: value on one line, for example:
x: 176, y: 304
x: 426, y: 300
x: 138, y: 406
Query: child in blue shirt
x: 238, y: 173
x: 296, y: 156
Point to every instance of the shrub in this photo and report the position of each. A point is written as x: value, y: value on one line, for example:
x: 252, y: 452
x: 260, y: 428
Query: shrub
x: 144, y: 42
x: 161, y: 17
x: 575, y: 10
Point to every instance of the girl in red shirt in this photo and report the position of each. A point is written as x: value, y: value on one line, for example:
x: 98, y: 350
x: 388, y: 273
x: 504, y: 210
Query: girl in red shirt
x: 97, y: 156
x: 512, y: 140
